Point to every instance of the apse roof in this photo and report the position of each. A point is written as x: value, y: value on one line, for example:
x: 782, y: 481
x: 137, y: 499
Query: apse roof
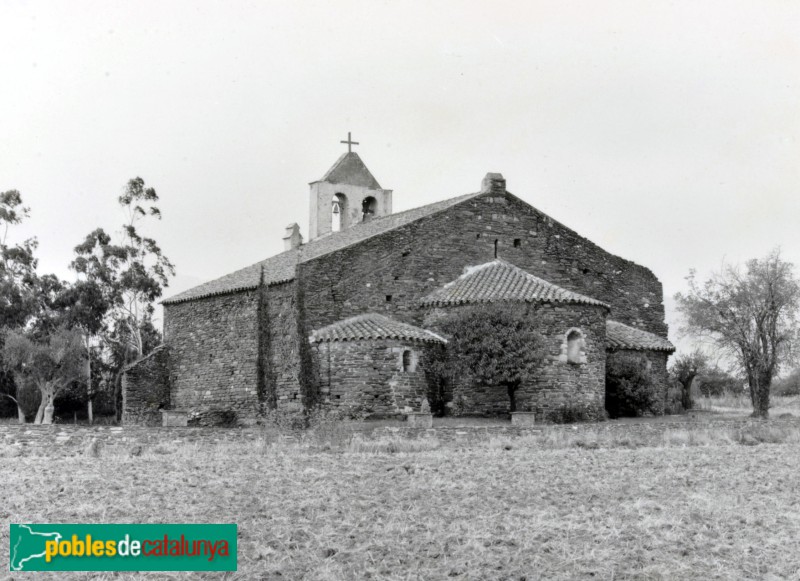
x: 499, y: 281
x: 620, y: 336
x: 372, y: 326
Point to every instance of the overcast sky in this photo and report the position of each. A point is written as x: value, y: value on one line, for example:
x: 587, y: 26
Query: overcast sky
x: 666, y: 132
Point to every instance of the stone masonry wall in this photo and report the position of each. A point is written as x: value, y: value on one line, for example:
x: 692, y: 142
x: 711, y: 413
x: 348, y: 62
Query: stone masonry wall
x: 145, y: 389
x: 560, y: 384
x: 369, y: 375
x: 214, y: 349
x: 389, y: 273
x: 284, y: 358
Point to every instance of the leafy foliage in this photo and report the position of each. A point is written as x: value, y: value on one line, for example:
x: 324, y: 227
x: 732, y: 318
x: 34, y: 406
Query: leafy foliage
x: 685, y: 367
x: 789, y: 385
x: 125, y: 279
x: 751, y: 315
x: 630, y: 389
x: 714, y: 382
x: 572, y: 414
x: 18, y: 280
x: 113, y: 302
x: 495, y: 345
x: 50, y: 365
x: 439, y: 375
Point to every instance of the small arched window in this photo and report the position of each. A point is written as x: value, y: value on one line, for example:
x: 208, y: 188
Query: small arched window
x: 339, y: 213
x: 408, y: 361
x: 575, y: 347
x: 368, y: 208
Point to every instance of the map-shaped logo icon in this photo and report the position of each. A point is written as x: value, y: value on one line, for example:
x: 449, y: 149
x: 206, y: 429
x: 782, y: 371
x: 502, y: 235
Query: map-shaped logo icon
x: 28, y: 545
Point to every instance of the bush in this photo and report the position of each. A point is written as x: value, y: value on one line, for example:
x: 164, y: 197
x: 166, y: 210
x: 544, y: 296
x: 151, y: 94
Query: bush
x: 439, y: 377
x: 673, y: 403
x: 630, y: 389
x: 572, y: 414
x: 218, y: 417
x: 716, y: 382
x: 789, y: 385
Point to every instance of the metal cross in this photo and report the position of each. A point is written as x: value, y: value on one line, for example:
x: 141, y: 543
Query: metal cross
x: 350, y: 143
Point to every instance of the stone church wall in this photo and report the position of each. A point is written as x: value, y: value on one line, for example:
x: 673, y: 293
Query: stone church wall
x: 145, y: 389
x: 214, y: 349
x: 389, y: 273
x: 369, y: 375
x: 561, y: 384
x: 284, y: 358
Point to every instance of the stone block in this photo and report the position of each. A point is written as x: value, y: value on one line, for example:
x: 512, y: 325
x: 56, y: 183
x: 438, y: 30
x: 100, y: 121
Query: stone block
x: 522, y: 418
x: 418, y: 420
x: 174, y: 418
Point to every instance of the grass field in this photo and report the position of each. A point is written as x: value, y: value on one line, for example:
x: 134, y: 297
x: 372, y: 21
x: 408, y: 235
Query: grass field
x: 552, y: 506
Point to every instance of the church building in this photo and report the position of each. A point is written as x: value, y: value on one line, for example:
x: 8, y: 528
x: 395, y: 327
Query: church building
x: 345, y: 318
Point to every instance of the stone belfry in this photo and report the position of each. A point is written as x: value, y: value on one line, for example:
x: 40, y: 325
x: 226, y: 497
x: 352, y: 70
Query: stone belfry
x: 347, y: 195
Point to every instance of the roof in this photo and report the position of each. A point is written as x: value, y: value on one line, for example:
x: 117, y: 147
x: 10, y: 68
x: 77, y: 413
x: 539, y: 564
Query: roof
x: 620, y: 336
x: 501, y: 281
x: 281, y: 267
x: 349, y: 169
x: 372, y: 326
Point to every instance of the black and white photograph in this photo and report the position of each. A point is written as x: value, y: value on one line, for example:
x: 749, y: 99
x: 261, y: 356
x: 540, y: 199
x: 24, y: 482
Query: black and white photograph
x: 388, y: 290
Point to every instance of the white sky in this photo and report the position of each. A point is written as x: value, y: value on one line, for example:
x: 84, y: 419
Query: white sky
x: 666, y: 132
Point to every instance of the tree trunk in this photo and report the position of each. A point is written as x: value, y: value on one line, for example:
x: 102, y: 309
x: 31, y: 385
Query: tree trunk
x: 118, y: 394
x: 43, y: 415
x: 40, y: 412
x: 761, y: 397
x: 89, y: 380
x: 20, y: 415
x: 686, y: 395
x: 512, y: 395
x: 48, y: 414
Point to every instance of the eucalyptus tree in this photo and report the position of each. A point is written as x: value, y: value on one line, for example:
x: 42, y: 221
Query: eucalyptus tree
x: 122, y: 279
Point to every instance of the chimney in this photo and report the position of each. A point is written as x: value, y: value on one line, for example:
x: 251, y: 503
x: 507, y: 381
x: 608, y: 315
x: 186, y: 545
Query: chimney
x: 293, y: 238
x: 494, y: 182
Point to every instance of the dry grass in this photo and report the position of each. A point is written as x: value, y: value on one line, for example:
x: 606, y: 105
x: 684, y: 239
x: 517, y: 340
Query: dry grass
x: 557, y: 505
x: 740, y: 405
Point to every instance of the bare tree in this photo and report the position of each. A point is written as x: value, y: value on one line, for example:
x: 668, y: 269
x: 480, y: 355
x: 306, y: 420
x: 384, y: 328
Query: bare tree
x: 751, y: 314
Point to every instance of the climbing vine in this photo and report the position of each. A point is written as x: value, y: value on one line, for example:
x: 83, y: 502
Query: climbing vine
x: 265, y: 382
x: 309, y: 390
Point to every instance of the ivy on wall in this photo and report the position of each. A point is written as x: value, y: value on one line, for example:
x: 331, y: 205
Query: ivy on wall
x: 265, y: 381
x: 309, y: 388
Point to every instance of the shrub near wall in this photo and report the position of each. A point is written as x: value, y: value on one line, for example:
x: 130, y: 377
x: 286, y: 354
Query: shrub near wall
x: 632, y: 387
x: 558, y: 391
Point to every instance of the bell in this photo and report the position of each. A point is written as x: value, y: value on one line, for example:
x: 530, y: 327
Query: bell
x: 336, y: 208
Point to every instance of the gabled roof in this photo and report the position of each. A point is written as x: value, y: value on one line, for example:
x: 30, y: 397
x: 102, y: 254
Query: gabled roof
x: 372, y: 326
x: 499, y: 281
x: 281, y: 267
x: 620, y: 336
x: 350, y: 170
